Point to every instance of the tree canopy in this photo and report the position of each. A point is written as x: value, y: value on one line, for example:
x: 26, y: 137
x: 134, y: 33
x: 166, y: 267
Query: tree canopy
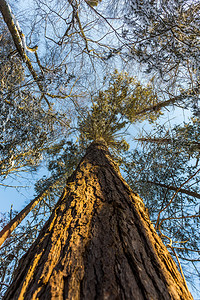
x: 76, y: 71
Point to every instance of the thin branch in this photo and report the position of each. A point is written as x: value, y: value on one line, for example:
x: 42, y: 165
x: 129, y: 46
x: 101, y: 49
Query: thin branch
x: 158, y: 219
x: 171, y: 101
x: 2, y: 283
x: 14, y: 186
x: 16, y: 34
x: 179, y: 264
x: 173, y: 188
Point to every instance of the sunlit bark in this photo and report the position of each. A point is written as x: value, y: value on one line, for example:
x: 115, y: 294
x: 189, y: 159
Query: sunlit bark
x: 98, y: 244
x: 8, y: 229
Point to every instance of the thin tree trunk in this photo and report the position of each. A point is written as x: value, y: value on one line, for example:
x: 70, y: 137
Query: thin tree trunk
x: 155, y: 140
x: 14, y: 31
x: 8, y: 229
x: 98, y: 244
x: 9, y: 20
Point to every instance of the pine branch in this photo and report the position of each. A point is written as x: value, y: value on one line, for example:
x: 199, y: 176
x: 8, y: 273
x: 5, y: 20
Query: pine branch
x: 171, y: 101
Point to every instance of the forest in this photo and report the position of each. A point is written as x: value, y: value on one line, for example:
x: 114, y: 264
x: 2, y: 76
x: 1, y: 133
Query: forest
x: 100, y: 127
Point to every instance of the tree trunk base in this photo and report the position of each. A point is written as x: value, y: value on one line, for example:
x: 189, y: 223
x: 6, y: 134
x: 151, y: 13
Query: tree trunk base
x: 99, y: 244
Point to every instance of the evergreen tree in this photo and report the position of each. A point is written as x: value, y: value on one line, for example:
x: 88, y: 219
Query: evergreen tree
x: 163, y: 37
x: 165, y: 172
x: 98, y: 243
x: 57, y: 97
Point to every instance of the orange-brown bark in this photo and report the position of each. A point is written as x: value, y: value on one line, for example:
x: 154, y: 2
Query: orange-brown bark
x: 98, y: 244
x: 8, y: 229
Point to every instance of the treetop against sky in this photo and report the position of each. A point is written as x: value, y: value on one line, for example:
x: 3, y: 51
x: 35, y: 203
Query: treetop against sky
x: 76, y: 71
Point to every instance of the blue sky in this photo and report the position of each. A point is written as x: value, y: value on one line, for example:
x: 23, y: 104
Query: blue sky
x: 21, y: 196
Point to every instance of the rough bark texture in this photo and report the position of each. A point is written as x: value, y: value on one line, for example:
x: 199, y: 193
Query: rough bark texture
x: 98, y: 244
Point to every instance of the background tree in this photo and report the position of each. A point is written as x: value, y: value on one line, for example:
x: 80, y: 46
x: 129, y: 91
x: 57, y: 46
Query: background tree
x: 70, y: 96
x: 85, y: 251
x: 27, y: 127
x: 165, y: 172
x: 163, y: 37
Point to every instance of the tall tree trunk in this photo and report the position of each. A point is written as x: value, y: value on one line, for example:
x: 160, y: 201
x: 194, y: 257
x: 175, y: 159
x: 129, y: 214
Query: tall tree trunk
x: 98, y: 244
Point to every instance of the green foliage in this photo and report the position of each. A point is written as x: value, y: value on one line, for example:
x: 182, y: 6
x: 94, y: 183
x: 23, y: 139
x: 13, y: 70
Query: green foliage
x: 187, y: 138
x: 27, y: 131
x: 164, y: 163
x: 164, y: 38
x: 181, y: 139
x: 115, y: 107
x: 63, y: 158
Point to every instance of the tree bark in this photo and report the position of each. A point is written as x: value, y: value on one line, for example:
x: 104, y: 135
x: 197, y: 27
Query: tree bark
x: 98, y: 244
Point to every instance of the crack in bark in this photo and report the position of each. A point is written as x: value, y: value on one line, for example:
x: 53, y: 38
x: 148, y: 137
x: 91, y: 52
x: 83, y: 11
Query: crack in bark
x: 132, y: 266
